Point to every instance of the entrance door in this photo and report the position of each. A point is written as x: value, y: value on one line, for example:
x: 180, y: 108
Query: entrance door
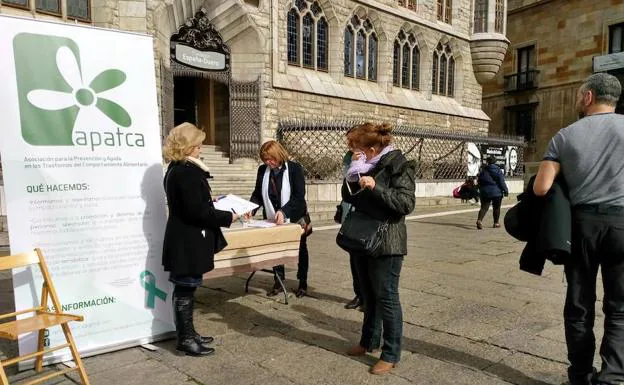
x: 206, y: 104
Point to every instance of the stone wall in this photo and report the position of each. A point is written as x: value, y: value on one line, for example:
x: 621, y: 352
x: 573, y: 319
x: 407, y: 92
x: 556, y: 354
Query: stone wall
x: 567, y: 34
x: 291, y: 104
x: 335, y: 90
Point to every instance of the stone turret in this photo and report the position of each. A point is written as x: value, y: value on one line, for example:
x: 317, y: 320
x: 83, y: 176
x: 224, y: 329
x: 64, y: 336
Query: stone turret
x: 488, y: 43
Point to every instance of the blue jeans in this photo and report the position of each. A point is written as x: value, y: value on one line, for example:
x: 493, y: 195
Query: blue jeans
x: 379, y: 285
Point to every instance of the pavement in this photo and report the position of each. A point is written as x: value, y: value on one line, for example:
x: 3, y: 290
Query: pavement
x: 470, y: 316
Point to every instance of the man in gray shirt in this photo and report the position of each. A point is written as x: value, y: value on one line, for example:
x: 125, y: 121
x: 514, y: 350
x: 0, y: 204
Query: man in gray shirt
x: 590, y: 155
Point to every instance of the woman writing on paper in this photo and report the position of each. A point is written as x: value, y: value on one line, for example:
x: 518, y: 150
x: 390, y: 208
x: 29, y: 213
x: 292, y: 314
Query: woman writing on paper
x: 280, y: 191
x: 380, y: 184
x: 193, y: 233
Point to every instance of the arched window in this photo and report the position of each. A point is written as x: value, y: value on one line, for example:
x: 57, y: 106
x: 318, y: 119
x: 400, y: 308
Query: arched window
x: 480, y: 16
x: 348, y: 51
x: 361, y: 49
x: 445, y: 10
x: 499, y: 16
x: 443, y: 74
x: 406, y: 61
x: 308, y: 35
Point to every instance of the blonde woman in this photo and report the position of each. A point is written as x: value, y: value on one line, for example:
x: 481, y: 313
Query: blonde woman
x: 193, y: 233
x: 280, y: 191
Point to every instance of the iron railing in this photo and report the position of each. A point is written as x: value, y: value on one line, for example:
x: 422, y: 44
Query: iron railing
x: 524, y: 80
x: 245, y: 133
x: 320, y: 146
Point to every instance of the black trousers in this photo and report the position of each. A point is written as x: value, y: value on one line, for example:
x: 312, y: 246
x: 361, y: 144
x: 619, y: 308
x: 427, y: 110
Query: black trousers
x: 302, y: 267
x: 485, y: 206
x: 597, y: 240
x: 355, y: 276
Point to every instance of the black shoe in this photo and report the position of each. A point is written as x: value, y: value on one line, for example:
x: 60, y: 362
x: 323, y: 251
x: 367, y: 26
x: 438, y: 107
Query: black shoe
x: 203, y: 340
x: 192, y: 348
x: 187, y: 342
x: 302, y: 290
x: 277, y: 288
x: 354, y: 303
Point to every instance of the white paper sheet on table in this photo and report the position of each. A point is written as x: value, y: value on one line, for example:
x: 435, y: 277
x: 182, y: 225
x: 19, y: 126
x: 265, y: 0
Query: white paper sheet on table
x: 235, y: 203
x: 265, y: 223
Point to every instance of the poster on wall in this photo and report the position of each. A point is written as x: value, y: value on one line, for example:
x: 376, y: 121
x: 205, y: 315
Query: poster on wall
x: 497, y: 152
x: 81, y: 155
x: 473, y: 159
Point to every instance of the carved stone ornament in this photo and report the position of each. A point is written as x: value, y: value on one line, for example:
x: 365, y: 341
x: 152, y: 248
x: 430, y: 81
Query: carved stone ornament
x: 200, y: 34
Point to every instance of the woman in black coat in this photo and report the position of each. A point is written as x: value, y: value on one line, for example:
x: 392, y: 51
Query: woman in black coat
x: 193, y: 233
x: 492, y: 188
x: 280, y: 191
x: 383, y: 187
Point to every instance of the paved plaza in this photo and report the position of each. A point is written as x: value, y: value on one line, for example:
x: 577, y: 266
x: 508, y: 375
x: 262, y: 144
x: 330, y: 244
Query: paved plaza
x: 470, y: 317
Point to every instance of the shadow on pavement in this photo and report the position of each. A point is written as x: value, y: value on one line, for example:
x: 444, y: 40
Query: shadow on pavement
x: 459, y: 225
x: 437, y: 352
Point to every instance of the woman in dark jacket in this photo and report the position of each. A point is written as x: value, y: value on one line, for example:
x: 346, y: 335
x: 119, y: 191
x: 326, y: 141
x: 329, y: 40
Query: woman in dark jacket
x: 492, y: 188
x: 382, y: 187
x: 280, y: 191
x: 193, y: 233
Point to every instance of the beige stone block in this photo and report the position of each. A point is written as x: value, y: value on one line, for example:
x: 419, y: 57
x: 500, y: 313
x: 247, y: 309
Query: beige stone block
x: 137, y: 24
x: 312, y: 194
x: 324, y: 192
x: 132, y: 8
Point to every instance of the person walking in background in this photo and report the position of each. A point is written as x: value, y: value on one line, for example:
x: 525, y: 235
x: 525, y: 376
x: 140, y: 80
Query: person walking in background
x: 589, y: 155
x: 341, y: 213
x: 193, y: 234
x: 467, y: 191
x: 380, y: 184
x: 492, y: 188
x: 280, y: 191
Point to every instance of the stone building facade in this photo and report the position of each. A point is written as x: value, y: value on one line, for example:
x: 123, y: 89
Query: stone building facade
x: 418, y: 62
x: 555, y: 45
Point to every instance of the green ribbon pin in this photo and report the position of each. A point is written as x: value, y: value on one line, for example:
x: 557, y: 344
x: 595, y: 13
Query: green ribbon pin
x: 148, y: 281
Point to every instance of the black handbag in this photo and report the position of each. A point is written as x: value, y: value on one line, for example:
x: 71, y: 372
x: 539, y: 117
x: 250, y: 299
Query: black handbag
x: 362, y: 234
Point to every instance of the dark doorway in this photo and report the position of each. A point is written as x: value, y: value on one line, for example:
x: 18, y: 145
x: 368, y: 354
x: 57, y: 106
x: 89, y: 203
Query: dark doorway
x: 184, y: 101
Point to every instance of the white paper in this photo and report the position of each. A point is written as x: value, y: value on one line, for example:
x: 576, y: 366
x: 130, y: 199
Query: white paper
x: 262, y: 224
x: 234, y: 203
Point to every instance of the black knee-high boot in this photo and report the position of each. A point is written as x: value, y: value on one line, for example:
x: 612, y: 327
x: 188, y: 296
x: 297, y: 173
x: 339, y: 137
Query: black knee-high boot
x: 182, y: 291
x: 187, y: 342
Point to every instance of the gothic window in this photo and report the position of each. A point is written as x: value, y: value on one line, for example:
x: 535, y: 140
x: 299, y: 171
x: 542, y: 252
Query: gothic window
x: 395, y: 64
x: 443, y: 74
x: 499, y: 16
x: 348, y: 52
x: 445, y: 9
x: 321, y: 44
x: 361, y: 49
x: 78, y: 9
x: 406, y: 61
x: 16, y: 3
x: 409, y: 4
x: 415, y: 68
x: 481, y: 16
x: 293, y: 31
x: 51, y: 6
x: 308, y: 35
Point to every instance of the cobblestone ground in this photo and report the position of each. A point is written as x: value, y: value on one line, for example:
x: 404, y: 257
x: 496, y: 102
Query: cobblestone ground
x: 470, y: 317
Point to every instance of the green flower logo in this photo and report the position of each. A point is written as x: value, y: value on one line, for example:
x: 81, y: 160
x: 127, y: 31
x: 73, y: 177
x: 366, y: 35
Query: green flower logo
x: 82, y: 96
x: 54, y: 96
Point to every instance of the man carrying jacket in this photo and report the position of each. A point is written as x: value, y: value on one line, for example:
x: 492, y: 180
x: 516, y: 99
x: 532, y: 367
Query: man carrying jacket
x: 589, y: 155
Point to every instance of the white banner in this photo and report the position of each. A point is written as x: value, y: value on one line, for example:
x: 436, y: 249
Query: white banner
x: 81, y: 156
